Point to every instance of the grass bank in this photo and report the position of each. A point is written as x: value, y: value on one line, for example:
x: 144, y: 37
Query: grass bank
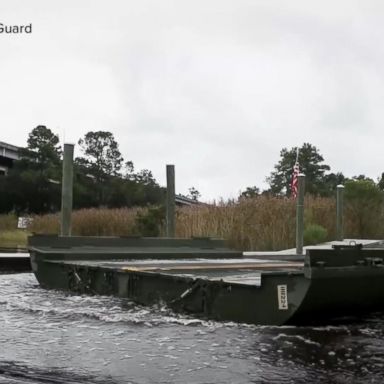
x: 14, y: 239
x: 10, y: 236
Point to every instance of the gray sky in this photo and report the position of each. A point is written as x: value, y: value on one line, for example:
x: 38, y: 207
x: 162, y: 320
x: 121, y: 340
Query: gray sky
x: 217, y: 88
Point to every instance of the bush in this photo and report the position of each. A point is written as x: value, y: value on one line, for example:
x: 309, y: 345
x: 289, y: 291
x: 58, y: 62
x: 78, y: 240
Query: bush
x: 150, y: 222
x: 364, y: 207
x: 315, y: 234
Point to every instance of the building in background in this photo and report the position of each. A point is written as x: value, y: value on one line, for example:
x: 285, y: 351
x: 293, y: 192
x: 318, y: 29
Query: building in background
x: 8, y: 154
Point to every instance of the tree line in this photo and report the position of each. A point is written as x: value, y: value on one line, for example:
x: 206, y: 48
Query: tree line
x: 101, y: 176
x: 319, y: 181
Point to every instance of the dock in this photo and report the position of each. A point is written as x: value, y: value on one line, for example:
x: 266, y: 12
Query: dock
x: 18, y: 261
x: 15, y: 262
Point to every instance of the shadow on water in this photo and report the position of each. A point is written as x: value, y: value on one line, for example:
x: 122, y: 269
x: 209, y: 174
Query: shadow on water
x: 12, y: 372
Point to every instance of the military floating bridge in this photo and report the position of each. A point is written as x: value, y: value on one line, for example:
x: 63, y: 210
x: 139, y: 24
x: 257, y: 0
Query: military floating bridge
x: 202, y: 277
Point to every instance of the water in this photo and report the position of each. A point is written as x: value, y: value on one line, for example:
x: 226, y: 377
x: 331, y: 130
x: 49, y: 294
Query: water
x: 53, y: 337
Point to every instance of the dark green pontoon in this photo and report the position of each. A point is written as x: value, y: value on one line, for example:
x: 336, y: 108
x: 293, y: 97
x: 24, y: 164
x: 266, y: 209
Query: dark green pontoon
x: 202, y: 277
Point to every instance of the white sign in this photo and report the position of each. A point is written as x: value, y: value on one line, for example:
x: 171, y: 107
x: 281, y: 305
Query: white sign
x: 282, y: 297
x: 23, y: 222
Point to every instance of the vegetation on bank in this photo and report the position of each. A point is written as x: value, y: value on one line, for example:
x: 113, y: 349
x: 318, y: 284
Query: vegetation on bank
x: 14, y: 239
x: 258, y: 223
x: 111, y: 198
x: 10, y: 236
x: 101, y: 177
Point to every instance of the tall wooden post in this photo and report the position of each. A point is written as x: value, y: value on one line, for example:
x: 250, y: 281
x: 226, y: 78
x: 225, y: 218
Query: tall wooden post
x: 339, y: 212
x: 170, y: 201
x: 67, y: 191
x: 300, y: 214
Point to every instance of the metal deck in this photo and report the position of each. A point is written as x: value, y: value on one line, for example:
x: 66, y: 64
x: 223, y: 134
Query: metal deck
x: 245, y: 271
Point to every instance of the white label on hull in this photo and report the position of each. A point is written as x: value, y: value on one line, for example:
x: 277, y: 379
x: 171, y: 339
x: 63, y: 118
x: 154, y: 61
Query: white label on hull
x: 282, y: 296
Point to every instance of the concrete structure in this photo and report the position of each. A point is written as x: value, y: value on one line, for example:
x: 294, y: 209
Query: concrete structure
x: 181, y: 200
x: 8, y: 154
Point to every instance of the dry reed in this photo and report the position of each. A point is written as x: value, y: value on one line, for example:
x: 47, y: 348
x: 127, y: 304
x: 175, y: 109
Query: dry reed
x: 261, y: 223
x: 91, y: 222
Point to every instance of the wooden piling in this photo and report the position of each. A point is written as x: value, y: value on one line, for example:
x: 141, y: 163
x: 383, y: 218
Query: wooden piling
x: 300, y: 214
x: 339, y: 212
x: 170, y: 203
x: 67, y: 191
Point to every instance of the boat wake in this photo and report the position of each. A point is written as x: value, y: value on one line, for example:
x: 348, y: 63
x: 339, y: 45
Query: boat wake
x: 54, y: 306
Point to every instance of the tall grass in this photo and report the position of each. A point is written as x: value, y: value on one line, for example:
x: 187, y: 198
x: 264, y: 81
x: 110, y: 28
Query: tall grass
x: 261, y: 223
x: 8, y: 222
x: 13, y: 239
x: 91, y: 222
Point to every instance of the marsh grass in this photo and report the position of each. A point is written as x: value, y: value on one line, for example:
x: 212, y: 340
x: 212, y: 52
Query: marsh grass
x: 261, y: 223
x: 91, y: 222
x: 8, y: 222
x: 10, y: 236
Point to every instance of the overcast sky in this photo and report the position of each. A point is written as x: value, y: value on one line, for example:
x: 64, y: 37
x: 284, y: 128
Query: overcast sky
x: 217, y: 87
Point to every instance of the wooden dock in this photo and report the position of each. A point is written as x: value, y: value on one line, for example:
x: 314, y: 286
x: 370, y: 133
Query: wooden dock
x: 14, y: 262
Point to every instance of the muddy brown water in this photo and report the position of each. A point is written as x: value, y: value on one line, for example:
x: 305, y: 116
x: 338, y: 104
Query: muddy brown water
x: 54, y: 337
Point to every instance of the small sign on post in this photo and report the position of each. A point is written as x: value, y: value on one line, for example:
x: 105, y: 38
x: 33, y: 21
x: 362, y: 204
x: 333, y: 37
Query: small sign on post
x: 23, y: 222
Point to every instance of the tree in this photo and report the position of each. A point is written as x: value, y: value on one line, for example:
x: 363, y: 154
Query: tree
x: 43, y: 144
x: 364, y: 203
x: 250, y: 192
x: 129, y: 170
x: 380, y: 182
x: 363, y: 177
x: 311, y: 164
x: 145, y: 177
x: 102, y: 154
x: 32, y: 183
x: 194, y: 194
x: 330, y: 183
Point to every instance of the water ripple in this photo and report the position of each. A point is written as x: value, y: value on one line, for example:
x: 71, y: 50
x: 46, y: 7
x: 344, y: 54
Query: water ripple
x: 49, y: 335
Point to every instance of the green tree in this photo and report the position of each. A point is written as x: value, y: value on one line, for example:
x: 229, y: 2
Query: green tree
x: 129, y: 170
x: 32, y: 185
x: 363, y: 177
x: 330, y: 183
x: 311, y: 164
x: 102, y: 155
x: 380, y: 182
x: 250, y: 192
x: 43, y: 146
x: 145, y: 177
x: 364, y: 205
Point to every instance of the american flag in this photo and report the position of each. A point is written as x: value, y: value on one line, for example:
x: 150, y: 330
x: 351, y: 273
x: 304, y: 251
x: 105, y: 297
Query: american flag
x: 295, y: 176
